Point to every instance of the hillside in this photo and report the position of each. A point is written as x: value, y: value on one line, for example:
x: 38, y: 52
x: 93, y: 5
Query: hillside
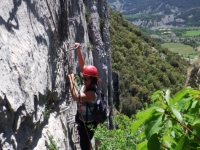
x: 159, y: 13
x: 142, y: 64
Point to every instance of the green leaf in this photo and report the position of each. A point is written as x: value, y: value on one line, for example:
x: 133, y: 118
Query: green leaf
x: 181, y: 94
x: 194, y: 104
x: 146, y: 113
x: 183, y: 143
x: 157, y: 96
x: 135, y: 125
x: 195, y: 107
x: 167, y: 97
x: 183, y: 103
x: 160, y: 110
x: 178, y: 130
x: 196, y: 121
x: 194, y: 145
x: 153, y: 143
x: 177, y: 114
x: 192, y: 117
x: 142, y: 146
x: 153, y: 124
x: 196, y: 130
x: 142, y: 117
x: 141, y: 136
x: 193, y: 92
x: 167, y: 126
x: 168, y: 140
x: 173, y: 133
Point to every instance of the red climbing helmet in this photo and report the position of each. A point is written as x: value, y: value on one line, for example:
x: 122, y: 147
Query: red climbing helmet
x: 90, y: 71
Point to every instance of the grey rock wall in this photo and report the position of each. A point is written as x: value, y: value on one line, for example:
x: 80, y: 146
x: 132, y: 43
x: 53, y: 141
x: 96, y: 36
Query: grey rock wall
x: 35, y: 103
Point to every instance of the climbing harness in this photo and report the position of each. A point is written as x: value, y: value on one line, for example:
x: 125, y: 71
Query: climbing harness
x: 82, y: 119
x: 80, y: 102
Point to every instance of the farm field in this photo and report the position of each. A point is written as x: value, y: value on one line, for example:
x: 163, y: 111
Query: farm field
x: 191, y: 33
x: 181, y: 49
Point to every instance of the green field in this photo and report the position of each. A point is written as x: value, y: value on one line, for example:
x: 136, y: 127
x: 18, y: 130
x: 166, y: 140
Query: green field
x: 182, y: 49
x: 191, y: 33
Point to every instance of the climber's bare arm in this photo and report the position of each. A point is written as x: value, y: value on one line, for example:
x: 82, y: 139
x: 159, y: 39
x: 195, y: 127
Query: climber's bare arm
x: 80, y: 57
x: 84, y: 96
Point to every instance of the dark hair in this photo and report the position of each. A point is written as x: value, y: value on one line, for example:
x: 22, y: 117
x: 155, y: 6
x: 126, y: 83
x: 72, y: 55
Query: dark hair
x: 94, y: 80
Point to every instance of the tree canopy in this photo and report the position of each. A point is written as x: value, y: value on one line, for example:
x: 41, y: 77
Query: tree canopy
x: 143, y: 65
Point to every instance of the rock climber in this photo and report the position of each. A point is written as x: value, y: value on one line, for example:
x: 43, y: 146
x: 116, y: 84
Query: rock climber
x: 84, y: 118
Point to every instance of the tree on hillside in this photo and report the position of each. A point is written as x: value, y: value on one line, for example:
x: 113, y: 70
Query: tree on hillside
x: 143, y: 65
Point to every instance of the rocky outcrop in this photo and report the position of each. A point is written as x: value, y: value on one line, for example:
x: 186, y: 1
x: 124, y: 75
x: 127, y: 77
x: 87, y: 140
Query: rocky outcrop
x: 36, y: 109
x: 193, y: 74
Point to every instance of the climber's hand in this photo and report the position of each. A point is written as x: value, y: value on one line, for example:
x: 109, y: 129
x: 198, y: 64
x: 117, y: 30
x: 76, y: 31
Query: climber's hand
x: 77, y: 45
x: 71, y: 77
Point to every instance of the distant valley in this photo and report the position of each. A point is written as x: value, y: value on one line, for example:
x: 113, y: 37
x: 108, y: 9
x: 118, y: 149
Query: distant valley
x: 156, y: 14
x: 173, y: 23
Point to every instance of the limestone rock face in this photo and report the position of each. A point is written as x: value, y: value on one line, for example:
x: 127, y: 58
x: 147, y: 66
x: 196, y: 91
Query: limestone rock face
x: 36, y: 108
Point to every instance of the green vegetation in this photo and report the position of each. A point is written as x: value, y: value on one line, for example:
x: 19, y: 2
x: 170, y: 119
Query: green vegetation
x: 171, y: 122
x: 186, y: 32
x: 189, y: 37
x: 89, y: 46
x: 185, y: 13
x: 179, y: 48
x: 48, y: 109
x: 87, y: 14
x: 191, y: 56
x: 142, y: 17
x: 150, y: 116
x: 192, y: 33
x: 46, y: 112
x: 167, y: 123
x: 52, y: 145
x: 117, y: 139
x: 143, y: 65
x: 49, y: 106
x: 182, y: 49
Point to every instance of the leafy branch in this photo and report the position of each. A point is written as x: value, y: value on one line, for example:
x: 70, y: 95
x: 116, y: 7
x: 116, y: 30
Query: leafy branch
x: 183, y: 125
x: 166, y: 119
